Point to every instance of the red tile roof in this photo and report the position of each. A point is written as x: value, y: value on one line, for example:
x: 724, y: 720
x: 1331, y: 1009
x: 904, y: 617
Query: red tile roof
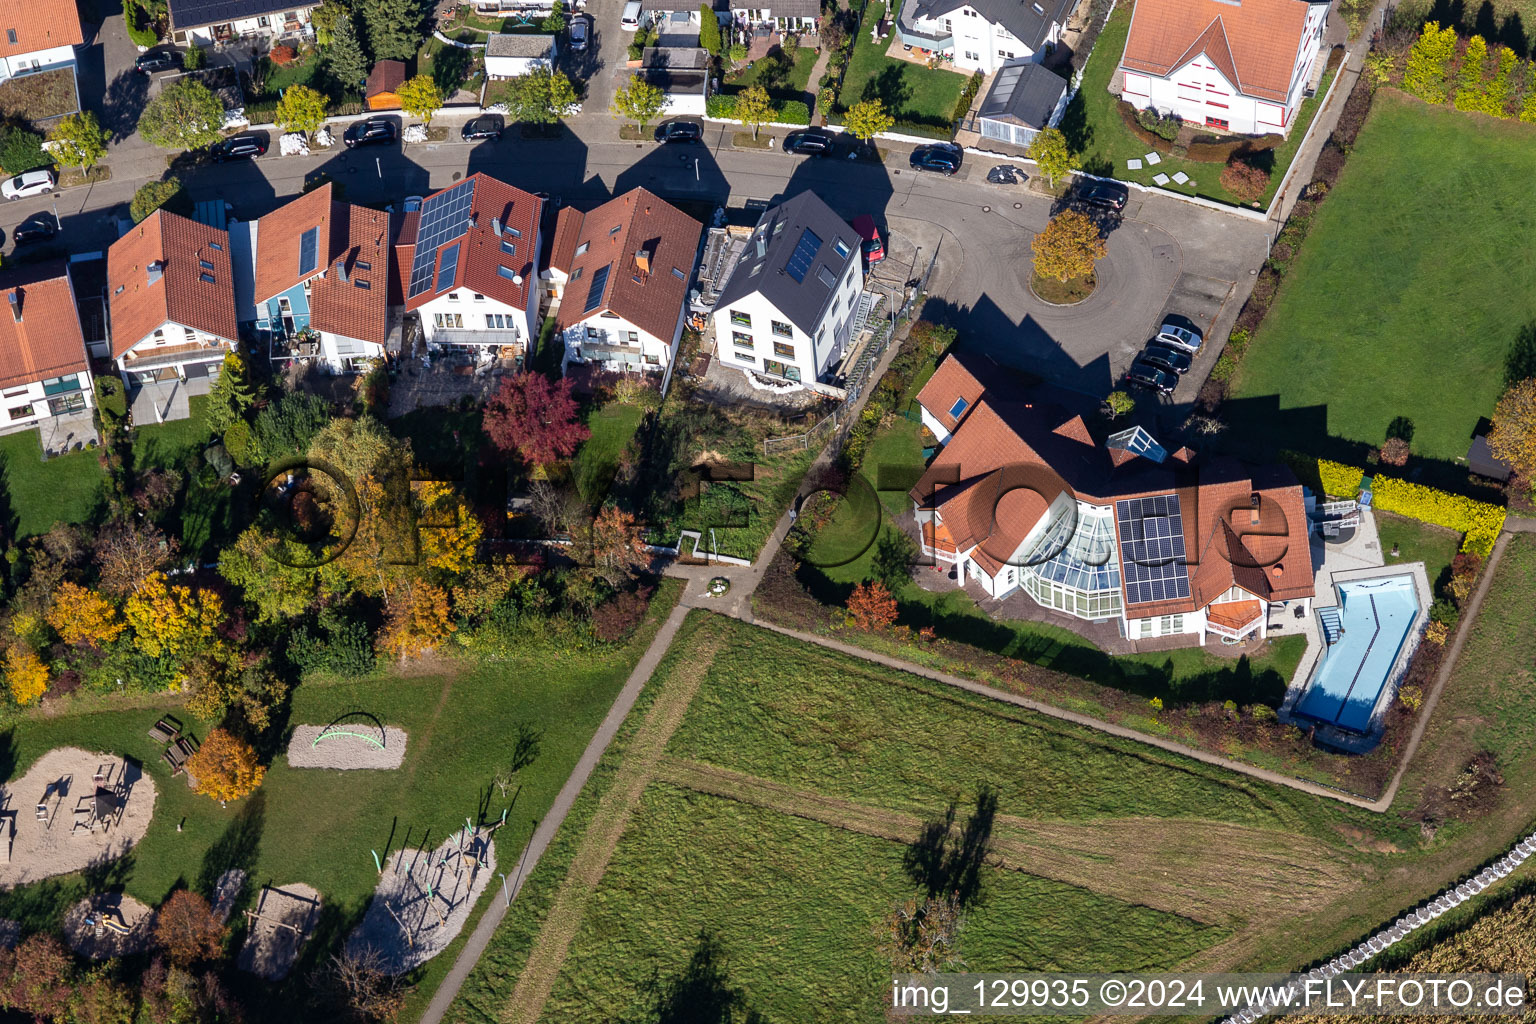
x: 481, y: 254
x: 650, y: 246
x: 1253, y: 43
x: 139, y: 305
x: 46, y: 341
x: 277, y: 242
x: 352, y: 299
x: 39, y: 25
x: 951, y: 381
x: 386, y: 76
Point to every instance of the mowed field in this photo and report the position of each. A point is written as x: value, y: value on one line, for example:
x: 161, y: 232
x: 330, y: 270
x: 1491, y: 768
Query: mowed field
x: 1413, y: 285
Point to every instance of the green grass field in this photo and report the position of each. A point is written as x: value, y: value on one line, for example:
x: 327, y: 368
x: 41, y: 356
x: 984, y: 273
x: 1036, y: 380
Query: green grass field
x: 67, y: 489
x: 792, y: 86
x: 1412, y: 286
x: 912, y: 93
x: 595, y: 464
x: 1417, y: 542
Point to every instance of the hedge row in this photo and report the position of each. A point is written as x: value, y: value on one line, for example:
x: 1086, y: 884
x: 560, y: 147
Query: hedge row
x: 1480, y: 521
x: 785, y: 112
x: 1338, y: 479
x: 1441, y: 68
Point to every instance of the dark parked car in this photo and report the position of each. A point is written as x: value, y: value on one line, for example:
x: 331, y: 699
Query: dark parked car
x: 487, y: 126
x: 680, y: 131
x: 157, y: 60
x: 34, y: 231
x: 1143, y: 374
x: 809, y: 142
x: 943, y: 157
x: 1108, y: 194
x: 1167, y: 357
x: 580, y: 31
x: 240, y: 147
x: 375, y: 131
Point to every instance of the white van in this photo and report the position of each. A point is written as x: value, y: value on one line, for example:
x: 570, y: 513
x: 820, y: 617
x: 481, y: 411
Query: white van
x: 631, y: 19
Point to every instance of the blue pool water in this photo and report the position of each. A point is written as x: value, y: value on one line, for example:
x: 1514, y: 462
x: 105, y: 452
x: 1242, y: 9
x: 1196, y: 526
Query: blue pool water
x: 1367, y: 630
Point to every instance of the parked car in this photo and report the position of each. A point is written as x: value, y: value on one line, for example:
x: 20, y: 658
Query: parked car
x: 157, y: 60
x: 1143, y: 374
x: 375, y: 131
x: 874, y: 248
x: 943, y: 157
x: 1180, y: 334
x: 32, y: 183
x: 34, y: 231
x: 809, y: 142
x: 581, y: 30
x: 1109, y: 194
x: 1005, y: 174
x: 629, y: 21
x: 239, y: 147
x: 1164, y: 355
x: 487, y: 126
x: 679, y: 131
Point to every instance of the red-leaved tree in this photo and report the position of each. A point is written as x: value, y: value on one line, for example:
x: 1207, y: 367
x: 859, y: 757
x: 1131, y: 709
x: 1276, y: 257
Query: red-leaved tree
x: 535, y: 418
x: 872, y: 607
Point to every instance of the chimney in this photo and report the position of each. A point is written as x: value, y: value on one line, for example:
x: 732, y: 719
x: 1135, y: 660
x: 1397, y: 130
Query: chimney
x: 643, y: 260
x: 154, y: 270
x: 15, y: 297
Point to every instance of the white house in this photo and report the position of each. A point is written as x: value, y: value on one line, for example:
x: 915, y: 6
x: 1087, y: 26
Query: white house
x: 787, y: 309
x: 619, y: 277
x: 682, y: 75
x: 982, y: 35
x: 472, y: 254
x: 171, y: 298
x: 39, y: 35
x: 1240, y: 66
x: 44, y: 370
x: 201, y: 22
x: 511, y: 54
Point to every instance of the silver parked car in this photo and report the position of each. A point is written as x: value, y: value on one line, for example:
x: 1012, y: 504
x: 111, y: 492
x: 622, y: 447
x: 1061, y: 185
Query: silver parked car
x: 1186, y: 337
x: 581, y: 30
x: 32, y: 183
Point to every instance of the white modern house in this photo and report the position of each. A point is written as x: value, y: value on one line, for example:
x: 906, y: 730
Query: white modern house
x: 788, y: 307
x: 512, y: 54
x: 619, y: 276
x: 1239, y: 66
x: 203, y: 22
x: 39, y: 35
x: 44, y: 370
x: 983, y: 35
x: 470, y: 262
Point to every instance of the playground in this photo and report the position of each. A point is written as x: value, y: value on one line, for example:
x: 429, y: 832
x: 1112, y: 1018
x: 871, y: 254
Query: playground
x: 72, y: 809
x: 354, y: 741
x: 108, y: 925
x: 282, y: 920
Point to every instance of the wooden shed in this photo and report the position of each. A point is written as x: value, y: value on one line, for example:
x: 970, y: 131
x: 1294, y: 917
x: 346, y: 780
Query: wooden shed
x: 386, y: 77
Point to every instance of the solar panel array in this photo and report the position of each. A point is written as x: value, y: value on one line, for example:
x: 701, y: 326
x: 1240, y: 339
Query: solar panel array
x: 596, y: 289
x: 444, y: 217
x: 805, y: 251
x: 309, y: 251
x: 1152, y: 548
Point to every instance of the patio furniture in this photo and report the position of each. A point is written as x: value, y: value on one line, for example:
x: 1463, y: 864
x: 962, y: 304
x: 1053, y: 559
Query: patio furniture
x: 187, y: 745
x: 177, y: 762
x: 166, y: 730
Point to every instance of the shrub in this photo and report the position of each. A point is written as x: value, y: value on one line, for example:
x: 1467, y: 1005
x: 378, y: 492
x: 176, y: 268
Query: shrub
x: 195, y: 58
x: 140, y: 29
x: 794, y: 112
x: 282, y: 56
x: 1444, y: 610
x: 615, y: 619
x: 1339, y: 480
x: 1429, y: 63
x: 720, y: 105
x: 968, y: 94
x: 1480, y: 521
x: 1245, y: 181
x: 1395, y: 452
x: 22, y: 150
x: 1469, y: 86
x: 1166, y: 128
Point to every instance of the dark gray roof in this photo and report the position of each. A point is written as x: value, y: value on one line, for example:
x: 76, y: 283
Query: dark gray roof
x: 1027, y: 20
x: 770, y: 248
x: 1023, y: 93
x: 673, y: 81
x: 1482, y: 461
x: 192, y: 13
x: 675, y: 58
x: 776, y: 8
x: 518, y: 44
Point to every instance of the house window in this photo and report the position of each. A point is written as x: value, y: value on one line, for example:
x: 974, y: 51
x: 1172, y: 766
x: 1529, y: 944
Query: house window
x: 744, y: 358
x: 190, y: 333
x: 453, y: 296
x: 1216, y: 122
x: 780, y: 369
x: 781, y: 349
x: 448, y: 319
x: 741, y: 319
x: 10, y: 36
x: 1005, y: 54
x: 634, y: 337
x: 21, y: 412
x: 479, y: 298
x: 653, y: 360
x: 582, y: 248
x: 741, y: 340
x: 948, y: 27
x: 1146, y: 627
x: 61, y: 385
x: 782, y: 330
x: 959, y: 407
x: 263, y: 22
x: 972, y: 56
x: 842, y: 249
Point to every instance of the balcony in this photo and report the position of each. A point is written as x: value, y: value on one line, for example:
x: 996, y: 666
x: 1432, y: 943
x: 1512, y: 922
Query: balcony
x: 927, y: 39
x: 175, y: 355
x: 1235, y: 619
x: 485, y: 339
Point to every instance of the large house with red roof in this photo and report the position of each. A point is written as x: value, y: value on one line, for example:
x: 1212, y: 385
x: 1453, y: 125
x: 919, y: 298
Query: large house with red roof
x: 171, y: 297
x: 620, y: 276
x: 44, y: 370
x: 1023, y: 497
x: 1240, y: 66
x: 39, y: 35
x: 469, y: 264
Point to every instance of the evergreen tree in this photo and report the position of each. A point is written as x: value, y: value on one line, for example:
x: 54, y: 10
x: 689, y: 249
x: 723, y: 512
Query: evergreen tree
x: 709, y: 30
x: 232, y: 395
x: 394, y: 28
x: 348, y: 63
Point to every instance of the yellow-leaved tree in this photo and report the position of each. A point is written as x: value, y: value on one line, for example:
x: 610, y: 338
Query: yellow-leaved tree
x: 225, y: 767
x: 418, y: 621
x: 172, y: 621
x: 1068, y: 247
x: 25, y: 674
x: 81, y: 616
x: 1513, y: 436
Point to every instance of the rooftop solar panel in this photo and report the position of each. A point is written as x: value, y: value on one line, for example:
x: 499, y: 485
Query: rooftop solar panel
x: 805, y: 252
x: 1152, y: 556
x: 448, y: 273
x: 444, y: 218
x: 309, y: 251
x: 597, y: 287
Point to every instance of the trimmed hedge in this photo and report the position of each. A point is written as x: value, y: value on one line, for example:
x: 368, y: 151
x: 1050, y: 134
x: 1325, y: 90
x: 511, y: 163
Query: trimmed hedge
x: 785, y: 112
x: 1480, y: 521
x: 1339, y: 480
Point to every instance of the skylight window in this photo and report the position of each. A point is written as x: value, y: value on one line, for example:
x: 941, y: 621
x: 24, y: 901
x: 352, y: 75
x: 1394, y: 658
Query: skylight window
x: 677, y: 273
x: 596, y: 289
x: 959, y: 407
x: 309, y: 251
x: 205, y: 264
x: 825, y: 276
x: 510, y: 248
x: 842, y: 249
x: 206, y: 277
x: 504, y: 272
x: 360, y: 283
x: 363, y: 265
x: 582, y: 248
x: 615, y: 230
x: 448, y: 270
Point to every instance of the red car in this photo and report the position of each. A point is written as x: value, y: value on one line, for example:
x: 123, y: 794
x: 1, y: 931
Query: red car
x: 874, y: 248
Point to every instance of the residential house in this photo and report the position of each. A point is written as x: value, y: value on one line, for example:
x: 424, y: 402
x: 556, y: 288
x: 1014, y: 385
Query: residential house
x: 44, y: 369
x: 620, y: 276
x: 39, y: 35
x: 797, y: 16
x: 1024, y: 498
x: 473, y: 253
x: 171, y: 299
x: 1241, y: 67
x: 983, y: 35
x: 1024, y: 98
x: 384, y: 80
x: 317, y: 278
x: 512, y: 54
x: 201, y: 22
x: 682, y: 75
x: 788, y: 308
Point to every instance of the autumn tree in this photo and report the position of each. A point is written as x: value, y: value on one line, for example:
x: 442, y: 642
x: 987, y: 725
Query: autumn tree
x: 185, y: 115
x: 98, y: 999
x: 37, y: 977
x: 186, y: 926
x: 1068, y: 247
x: 450, y: 531
x: 418, y: 621
x: 868, y: 118
x: 172, y: 621
x: 871, y: 606
x: 1051, y: 154
x: 127, y: 552
x: 754, y: 107
x: 1513, y: 436
x: 617, y: 550
x: 79, y: 140
x: 420, y: 97
x: 1245, y: 181
x: 82, y: 616
x: 276, y: 575
x: 301, y: 109
x: 225, y: 767
x: 638, y: 100
x: 25, y: 674
x: 358, y: 980
x: 534, y: 417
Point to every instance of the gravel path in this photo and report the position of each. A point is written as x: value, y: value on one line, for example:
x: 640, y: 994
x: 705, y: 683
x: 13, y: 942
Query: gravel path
x: 401, y: 900
x: 88, y: 937
x: 60, y: 780
x: 272, y: 947
x: 345, y: 752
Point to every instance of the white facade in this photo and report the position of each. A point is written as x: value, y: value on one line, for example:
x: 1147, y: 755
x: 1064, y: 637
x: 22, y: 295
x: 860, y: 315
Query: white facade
x: 26, y: 404
x: 513, y: 67
x: 1198, y: 92
x: 168, y: 350
x: 462, y: 317
x: 754, y: 336
x: 294, y: 21
x: 341, y: 354
x: 36, y: 60
x: 981, y: 45
x: 611, y: 342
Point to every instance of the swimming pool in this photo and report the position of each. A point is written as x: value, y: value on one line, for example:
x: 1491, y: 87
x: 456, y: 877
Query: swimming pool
x: 1362, y: 635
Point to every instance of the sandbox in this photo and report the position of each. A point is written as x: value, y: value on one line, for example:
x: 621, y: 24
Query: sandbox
x: 109, y: 924
x: 423, y: 900
x: 346, y: 746
x: 282, y: 920
x: 73, y: 808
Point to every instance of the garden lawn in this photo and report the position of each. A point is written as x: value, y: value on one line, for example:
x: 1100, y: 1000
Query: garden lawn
x: 791, y: 87
x: 1411, y: 287
x: 917, y: 96
x: 598, y: 459
x: 67, y: 489
x: 1435, y: 546
x: 1102, y: 142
